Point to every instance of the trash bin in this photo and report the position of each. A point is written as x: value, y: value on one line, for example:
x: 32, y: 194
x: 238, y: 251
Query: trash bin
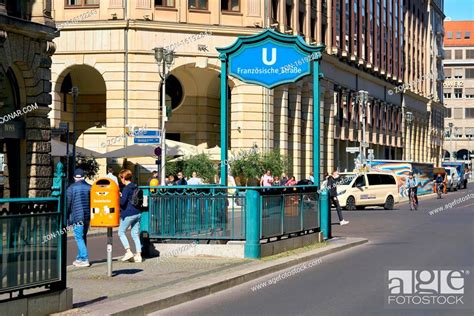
x: 105, y: 203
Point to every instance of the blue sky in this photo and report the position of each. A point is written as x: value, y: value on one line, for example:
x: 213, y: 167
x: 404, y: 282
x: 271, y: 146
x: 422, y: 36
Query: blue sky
x: 459, y: 10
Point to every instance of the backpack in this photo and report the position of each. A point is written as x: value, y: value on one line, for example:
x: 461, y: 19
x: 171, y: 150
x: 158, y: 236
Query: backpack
x: 137, y: 198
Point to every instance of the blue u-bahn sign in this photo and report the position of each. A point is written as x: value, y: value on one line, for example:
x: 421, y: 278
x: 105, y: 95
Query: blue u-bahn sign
x: 270, y: 59
x: 270, y: 63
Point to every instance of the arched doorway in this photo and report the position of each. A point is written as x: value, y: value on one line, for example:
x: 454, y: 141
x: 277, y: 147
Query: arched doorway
x: 12, y: 135
x: 90, y: 122
x: 463, y: 154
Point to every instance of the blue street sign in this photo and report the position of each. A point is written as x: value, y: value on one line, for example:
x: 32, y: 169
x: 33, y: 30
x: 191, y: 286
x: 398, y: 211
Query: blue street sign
x: 155, y: 133
x: 147, y: 140
x: 271, y: 63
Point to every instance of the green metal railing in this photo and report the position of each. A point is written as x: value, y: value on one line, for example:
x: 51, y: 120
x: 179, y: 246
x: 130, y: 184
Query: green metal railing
x: 217, y: 212
x: 195, y: 212
x: 288, y: 210
x: 27, y: 257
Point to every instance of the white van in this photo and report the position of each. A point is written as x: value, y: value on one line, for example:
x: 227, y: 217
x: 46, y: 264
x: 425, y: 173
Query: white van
x: 356, y: 191
x: 454, y: 183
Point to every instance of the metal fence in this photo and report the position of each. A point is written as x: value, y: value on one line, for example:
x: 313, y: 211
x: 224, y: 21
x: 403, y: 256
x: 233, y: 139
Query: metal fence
x: 28, y: 258
x: 184, y: 212
x: 206, y: 212
x: 289, y: 210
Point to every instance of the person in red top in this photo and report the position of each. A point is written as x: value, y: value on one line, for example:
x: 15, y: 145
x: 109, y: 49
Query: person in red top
x: 291, y: 182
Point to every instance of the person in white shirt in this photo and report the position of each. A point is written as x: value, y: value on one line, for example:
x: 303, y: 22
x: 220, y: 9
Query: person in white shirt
x: 194, y: 180
x: 110, y: 175
x: 266, y: 180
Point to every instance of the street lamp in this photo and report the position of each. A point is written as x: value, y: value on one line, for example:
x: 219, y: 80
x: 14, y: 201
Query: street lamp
x: 164, y: 58
x: 409, y: 119
x: 75, y: 95
x: 362, y: 99
x: 451, y: 156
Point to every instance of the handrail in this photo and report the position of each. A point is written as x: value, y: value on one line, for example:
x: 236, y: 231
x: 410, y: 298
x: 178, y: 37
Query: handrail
x: 27, y: 200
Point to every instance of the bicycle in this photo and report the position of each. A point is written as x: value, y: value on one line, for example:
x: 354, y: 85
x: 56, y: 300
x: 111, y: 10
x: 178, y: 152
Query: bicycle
x: 413, y: 204
x: 439, y: 190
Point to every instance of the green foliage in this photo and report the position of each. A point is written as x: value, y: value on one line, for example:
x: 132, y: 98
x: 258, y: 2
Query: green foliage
x: 204, y: 167
x: 275, y: 162
x: 89, y: 165
x: 251, y: 165
x: 248, y: 165
x: 172, y: 168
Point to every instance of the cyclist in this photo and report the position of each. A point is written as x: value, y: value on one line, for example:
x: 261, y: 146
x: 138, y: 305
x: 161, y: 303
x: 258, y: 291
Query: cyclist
x: 412, y: 184
x: 439, y: 182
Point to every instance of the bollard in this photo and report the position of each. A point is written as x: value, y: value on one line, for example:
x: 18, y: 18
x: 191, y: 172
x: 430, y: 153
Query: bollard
x: 325, y: 214
x: 252, y: 221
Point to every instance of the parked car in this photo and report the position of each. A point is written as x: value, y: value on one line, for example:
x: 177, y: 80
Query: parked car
x: 356, y: 191
x: 454, y: 182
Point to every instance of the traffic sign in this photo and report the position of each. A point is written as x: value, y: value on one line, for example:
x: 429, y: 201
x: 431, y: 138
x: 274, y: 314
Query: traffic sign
x: 158, y: 151
x: 365, y: 145
x: 370, y: 151
x: 352, y: 149
x: 148, y: 137
x: 147, y: 140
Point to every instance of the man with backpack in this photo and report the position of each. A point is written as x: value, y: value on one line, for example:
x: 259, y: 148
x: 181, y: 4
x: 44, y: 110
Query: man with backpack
x: 131, y: 202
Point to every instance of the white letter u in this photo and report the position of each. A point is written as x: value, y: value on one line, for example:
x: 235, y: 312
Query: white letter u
x: 265, y: 56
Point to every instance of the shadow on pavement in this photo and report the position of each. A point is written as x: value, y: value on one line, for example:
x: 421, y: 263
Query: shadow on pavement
x: 126, y: 271
x: 95, y: 300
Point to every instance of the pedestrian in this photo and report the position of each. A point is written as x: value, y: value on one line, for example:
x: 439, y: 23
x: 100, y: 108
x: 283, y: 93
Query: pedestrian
x: 332, y: 185
x: 325, y: 181
x: 129, y: 217
x: 181, y: 180
x: 195, y: 180
x: 154, y: 176
x: 171, y: 180
x: 276, y: 181
x: 110, y: 175
x: 78, y: 210
x: 266, y: 180
x: 283, y: 179
x: 291, y: 182
x: 311, y: 177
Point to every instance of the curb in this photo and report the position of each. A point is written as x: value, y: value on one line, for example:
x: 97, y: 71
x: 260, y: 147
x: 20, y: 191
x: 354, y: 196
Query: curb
x: 151, y: 302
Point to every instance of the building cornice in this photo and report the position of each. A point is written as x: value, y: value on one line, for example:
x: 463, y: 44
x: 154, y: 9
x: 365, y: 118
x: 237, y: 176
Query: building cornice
x: 27, y: 28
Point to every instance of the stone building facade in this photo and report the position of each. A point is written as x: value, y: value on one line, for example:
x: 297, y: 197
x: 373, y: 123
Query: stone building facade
x: 109, y: 56
x: 459, y: 89
x: 26, y: 47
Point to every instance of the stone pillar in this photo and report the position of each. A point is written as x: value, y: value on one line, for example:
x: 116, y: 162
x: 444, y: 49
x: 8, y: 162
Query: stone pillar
x: 280, y: 130
x: 38, y: 160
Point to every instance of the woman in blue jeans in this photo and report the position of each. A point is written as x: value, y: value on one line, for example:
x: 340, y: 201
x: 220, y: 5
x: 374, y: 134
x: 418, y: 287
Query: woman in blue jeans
x: 129, y: 217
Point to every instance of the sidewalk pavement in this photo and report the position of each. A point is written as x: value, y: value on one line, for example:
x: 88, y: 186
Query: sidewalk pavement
x: 155, y: 284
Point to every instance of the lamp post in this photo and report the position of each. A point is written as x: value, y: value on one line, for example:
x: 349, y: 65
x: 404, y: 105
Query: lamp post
x: 409, y: 119
x: 164, y: 58
x: 75, y: 95
x: 363, y: 98
x: 451, y: 156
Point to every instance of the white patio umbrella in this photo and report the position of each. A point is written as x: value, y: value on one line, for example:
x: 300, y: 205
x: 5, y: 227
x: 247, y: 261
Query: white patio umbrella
x: 58, y: 149
x: 214, y: 153
x: 173, y: 148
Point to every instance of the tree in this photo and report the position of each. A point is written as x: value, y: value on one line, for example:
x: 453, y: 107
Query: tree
x: 248, y: 165
x: 172, y: 168
x: 89, y: 165
x: 275, y: 162
x: 201, y: 164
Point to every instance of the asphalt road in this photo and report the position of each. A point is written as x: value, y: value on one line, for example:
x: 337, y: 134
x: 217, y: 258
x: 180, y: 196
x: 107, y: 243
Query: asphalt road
x: 354, y: 282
